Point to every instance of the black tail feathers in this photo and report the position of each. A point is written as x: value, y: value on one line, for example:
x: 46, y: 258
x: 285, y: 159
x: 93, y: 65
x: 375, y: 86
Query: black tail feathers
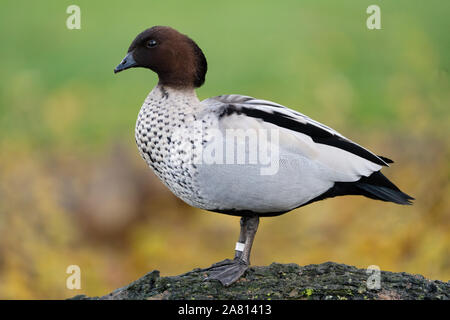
x: 385, y: 194
x: 377, y: 186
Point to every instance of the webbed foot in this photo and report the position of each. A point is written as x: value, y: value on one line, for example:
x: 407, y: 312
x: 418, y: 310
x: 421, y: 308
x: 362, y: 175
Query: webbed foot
x: 227, y: 271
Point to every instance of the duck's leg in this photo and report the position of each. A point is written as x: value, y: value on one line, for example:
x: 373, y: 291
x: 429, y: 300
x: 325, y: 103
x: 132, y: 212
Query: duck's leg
x: 229, y: 271
x: 239, y: 246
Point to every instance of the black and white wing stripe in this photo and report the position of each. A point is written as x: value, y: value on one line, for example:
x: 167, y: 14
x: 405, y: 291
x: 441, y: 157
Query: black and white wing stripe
x: 329, y: 164
x: 284, y: 117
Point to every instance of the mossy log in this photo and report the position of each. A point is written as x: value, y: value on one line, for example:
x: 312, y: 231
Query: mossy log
x: 286, y: 281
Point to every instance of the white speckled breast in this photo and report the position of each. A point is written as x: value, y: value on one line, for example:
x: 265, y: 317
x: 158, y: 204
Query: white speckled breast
x: 164, y: 133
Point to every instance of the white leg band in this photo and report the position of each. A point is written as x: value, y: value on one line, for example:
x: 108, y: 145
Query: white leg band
x: 240, y: 246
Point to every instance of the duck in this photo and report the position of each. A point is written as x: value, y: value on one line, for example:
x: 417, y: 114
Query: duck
x: 239, y: 155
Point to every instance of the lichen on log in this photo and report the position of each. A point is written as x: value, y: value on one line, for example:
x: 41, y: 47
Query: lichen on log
x: 326, y: 281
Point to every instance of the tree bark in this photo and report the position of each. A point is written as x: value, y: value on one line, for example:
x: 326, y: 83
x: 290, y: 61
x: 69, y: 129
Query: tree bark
x: 287, y: 281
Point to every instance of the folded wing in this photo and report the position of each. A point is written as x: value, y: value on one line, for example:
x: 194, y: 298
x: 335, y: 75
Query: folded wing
x: 326, y: 163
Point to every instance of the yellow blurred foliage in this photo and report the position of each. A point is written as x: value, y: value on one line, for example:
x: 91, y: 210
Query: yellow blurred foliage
x: 45, y: 226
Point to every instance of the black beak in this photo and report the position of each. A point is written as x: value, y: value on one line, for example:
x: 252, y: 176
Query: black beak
x: 127, y: 63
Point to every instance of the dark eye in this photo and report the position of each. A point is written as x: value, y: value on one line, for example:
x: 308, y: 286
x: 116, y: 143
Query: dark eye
x: 151, y: 44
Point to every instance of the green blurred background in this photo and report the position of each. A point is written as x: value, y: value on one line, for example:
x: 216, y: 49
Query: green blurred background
x: 73, y: 189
